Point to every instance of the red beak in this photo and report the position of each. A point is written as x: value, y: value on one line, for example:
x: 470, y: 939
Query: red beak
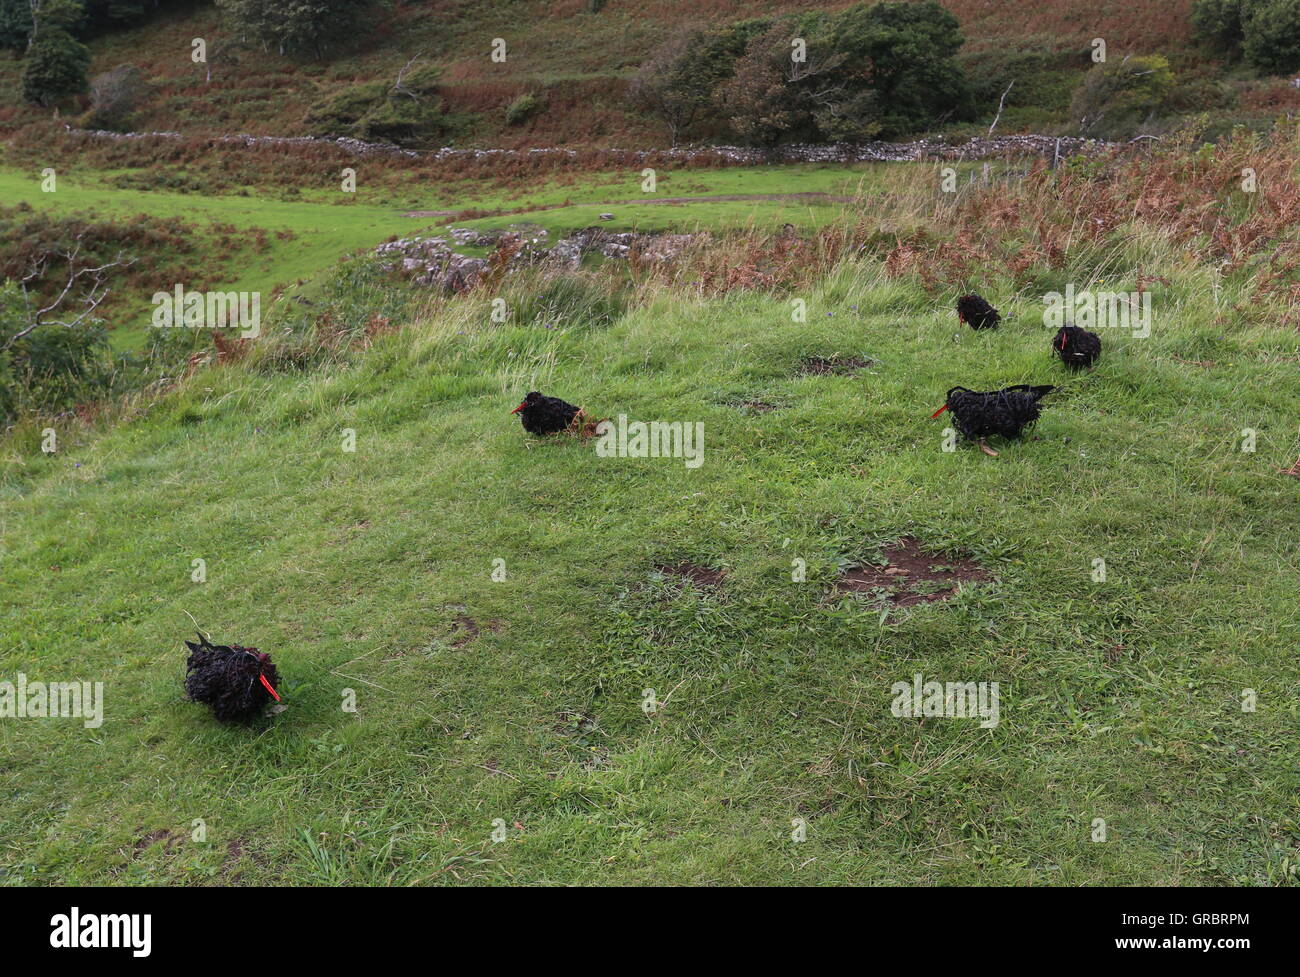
x: 938, y: 412
x: 519, y: 408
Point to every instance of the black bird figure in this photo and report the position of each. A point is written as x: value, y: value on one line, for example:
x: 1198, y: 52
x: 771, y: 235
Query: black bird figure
x: 543, y: 415
x: 1007, y: 413
x: 976, y: 313
x: 1076, y: 347
x: 235, y: 682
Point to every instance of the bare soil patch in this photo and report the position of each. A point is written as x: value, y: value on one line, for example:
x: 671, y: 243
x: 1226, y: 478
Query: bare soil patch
x: 834, y: 365
x: 154, y: 837
x: 754, y: 406
x: 698, y: 575
x: 911, y: 575
x: 465, y: 629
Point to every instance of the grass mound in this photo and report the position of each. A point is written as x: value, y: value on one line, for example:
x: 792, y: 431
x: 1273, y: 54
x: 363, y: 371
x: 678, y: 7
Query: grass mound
x: 358, y: 569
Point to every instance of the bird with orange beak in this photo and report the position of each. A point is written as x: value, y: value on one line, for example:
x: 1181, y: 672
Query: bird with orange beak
x: 1007, y: 413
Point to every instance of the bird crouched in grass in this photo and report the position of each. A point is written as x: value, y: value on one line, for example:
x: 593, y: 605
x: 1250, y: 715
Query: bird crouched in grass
x: 235, y: 682
x: 973, y: 311
x: 1007, y: 413
x: 543, y: 415
x: 1076, y: 347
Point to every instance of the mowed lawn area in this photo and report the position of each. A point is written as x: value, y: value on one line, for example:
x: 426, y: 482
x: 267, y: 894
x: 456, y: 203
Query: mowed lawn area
x: 518, y: 706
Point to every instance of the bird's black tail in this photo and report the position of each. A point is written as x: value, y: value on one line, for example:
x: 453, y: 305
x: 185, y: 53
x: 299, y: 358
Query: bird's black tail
x: 203, y: 643
x: 1038, y: 392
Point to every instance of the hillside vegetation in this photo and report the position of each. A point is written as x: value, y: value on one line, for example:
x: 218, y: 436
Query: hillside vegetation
x: 564, y: 79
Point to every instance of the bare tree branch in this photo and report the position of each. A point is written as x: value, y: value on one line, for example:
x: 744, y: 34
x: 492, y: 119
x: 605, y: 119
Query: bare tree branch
x: 398, y: 87
x: 91, y: 300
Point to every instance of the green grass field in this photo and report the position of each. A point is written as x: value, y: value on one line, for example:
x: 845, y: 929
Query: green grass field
x: 306, y: 234
x: 511, y: 660
x: 517, y: 704
x: 318, y: 232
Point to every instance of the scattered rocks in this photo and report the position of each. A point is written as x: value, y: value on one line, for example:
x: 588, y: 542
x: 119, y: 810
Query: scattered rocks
x: 566, y: 253
x: 472, y: 238
x: 979, y: 147
x: 433, y: 262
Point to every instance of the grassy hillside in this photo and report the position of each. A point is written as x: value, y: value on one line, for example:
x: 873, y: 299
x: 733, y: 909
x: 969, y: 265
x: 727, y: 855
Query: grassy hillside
x: 263, y: 241
x: 579, y: 61
x: 520, y: 702
x: 234, y: 243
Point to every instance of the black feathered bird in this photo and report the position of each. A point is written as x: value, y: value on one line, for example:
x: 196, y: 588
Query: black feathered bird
x: 542, y: 415
x: 1006, y: 413
x: 1076, y: 347
x: 236, y: 682
x: 976, y: 313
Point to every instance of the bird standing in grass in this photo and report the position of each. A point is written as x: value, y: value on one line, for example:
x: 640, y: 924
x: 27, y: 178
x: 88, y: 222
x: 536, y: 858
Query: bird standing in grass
x: 543, y: 415
x: 1007, y: 413
x: 235, y: 682
x: 973, y: 311
x: 1076, y: 347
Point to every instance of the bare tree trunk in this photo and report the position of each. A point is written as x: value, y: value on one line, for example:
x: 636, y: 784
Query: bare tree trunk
x: 1001, y: 102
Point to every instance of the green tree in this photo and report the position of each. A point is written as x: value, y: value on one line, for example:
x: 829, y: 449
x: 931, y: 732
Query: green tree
x: 883, y: 69
x: 65, y: 15
x: 1271, y: 36
x: 1218, y: 22
x: 523, y: 108
x: 408, y: 111
x: 1266, y: 33
x: 93, y: 18
x: 1116, y: 97
x: 299, y: 27
x: 678, y: 82
x: 778, y: 93
x: 15, y: 24
x: 114, y: 95
x: 56, y: 62
x: 910, y: 50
